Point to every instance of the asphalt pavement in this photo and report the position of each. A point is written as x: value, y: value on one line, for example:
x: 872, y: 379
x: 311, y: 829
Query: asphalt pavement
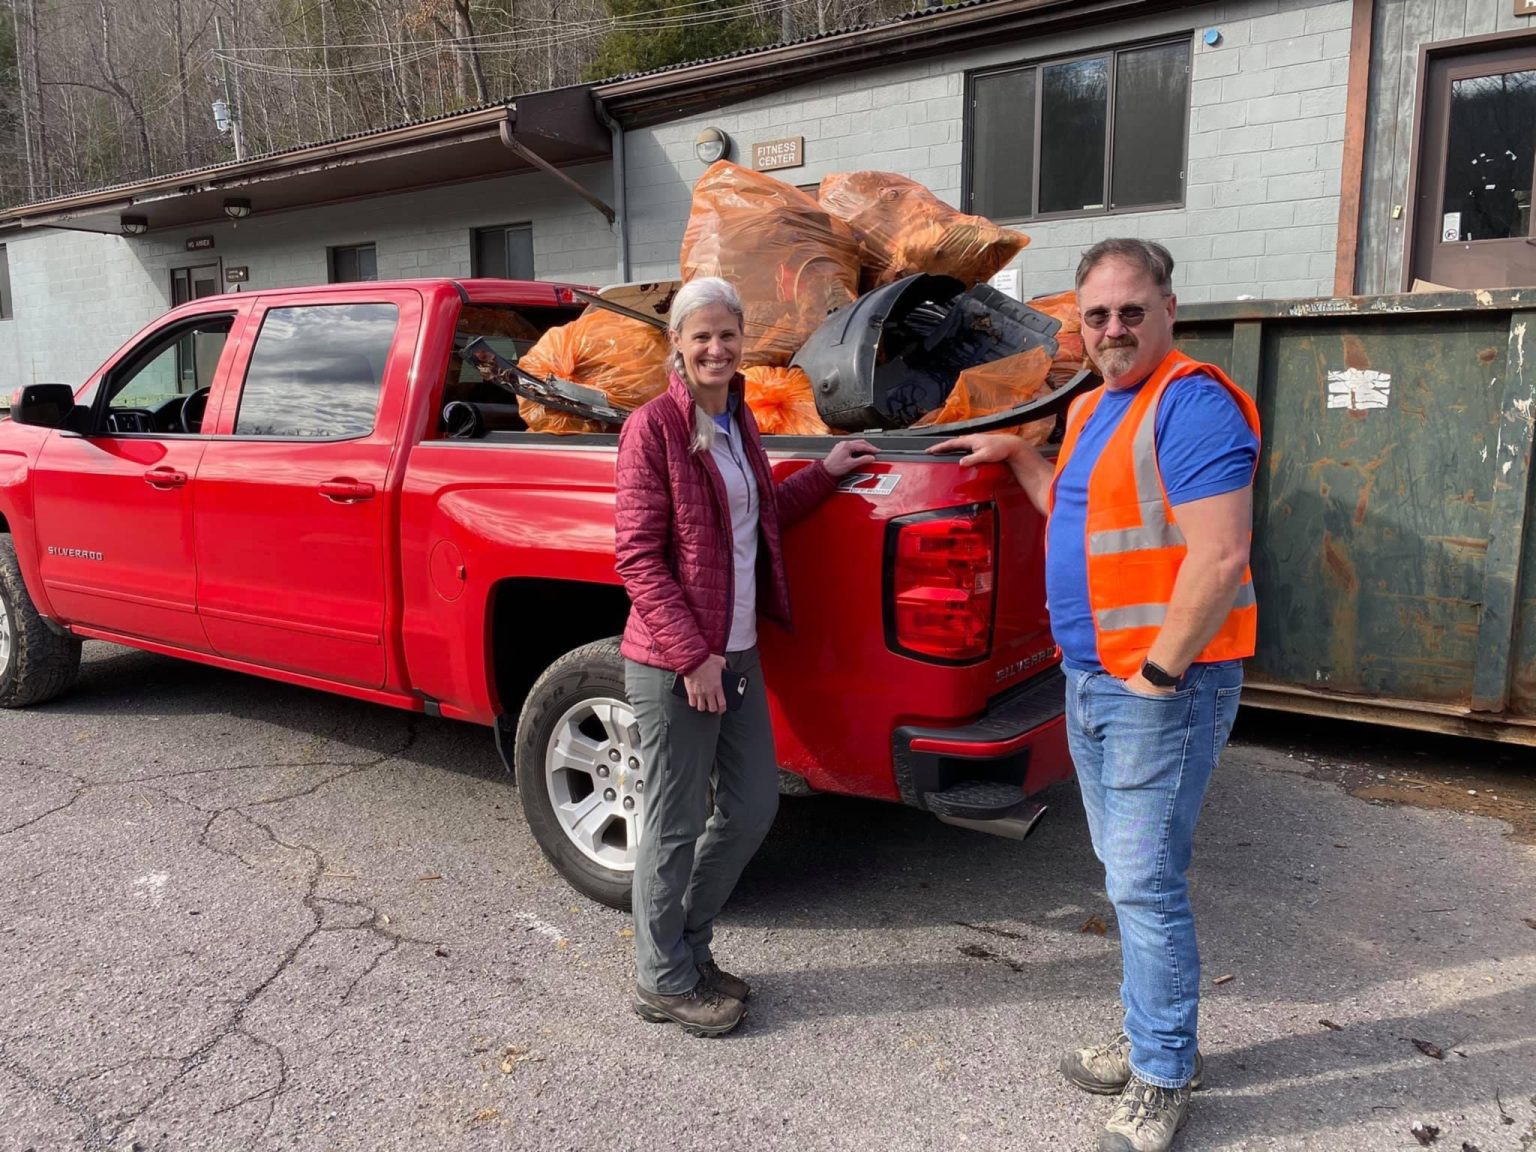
x: 240, y: 915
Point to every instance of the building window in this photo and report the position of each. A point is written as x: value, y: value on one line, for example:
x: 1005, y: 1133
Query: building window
x: 504, y: 253
x: 316, y: 371
x: 353, y: 263
x: 6, y: 308
x: 1093, y: 134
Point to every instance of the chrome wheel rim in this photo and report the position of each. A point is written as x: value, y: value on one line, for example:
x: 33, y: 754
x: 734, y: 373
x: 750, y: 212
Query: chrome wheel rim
x: 595, y: 778
x: 5, y: 637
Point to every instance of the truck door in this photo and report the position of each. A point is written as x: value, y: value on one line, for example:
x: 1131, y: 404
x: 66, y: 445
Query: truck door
x: 114, y: 506
x: 295, y: 524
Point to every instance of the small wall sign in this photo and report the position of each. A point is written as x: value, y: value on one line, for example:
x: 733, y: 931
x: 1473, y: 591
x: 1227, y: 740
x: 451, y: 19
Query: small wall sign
x: 237, y: 275
x: 199, y: 243
x: 772, y: 154
x: 1525, y: 7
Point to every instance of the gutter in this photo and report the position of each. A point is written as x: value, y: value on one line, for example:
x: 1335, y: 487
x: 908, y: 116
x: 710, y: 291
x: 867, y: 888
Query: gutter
x: 668, y: 95
x: 620, y: 187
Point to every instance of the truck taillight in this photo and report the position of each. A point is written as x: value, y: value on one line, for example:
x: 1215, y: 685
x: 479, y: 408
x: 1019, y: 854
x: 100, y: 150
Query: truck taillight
x: 941, y: 571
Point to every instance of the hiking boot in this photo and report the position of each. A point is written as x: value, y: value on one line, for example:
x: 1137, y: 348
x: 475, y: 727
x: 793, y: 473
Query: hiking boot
x: 1145, y: 1118
x: 716, y: 979
x: 700, y: 1012
x: 1106, y: 1070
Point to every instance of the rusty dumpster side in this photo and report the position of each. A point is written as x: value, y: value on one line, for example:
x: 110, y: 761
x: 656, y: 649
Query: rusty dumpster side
x: 1394, y: 555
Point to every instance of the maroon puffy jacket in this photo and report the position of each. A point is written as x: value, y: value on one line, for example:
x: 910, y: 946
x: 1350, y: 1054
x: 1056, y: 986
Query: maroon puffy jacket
x: 674, y: 533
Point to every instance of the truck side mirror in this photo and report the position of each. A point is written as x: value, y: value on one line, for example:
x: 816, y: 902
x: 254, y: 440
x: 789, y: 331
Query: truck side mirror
x: 43, y: 405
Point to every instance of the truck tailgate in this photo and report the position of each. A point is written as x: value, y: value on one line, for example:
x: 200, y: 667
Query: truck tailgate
x: 842, y: 682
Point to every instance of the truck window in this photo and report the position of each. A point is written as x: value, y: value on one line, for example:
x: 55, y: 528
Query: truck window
x: 507, y: 331
x: 316, y: 370
x: 145, y: 391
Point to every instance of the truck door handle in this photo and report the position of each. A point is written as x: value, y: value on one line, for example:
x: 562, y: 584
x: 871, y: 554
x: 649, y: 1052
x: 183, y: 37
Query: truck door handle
x: 346, y: 491
x: 165, y: 478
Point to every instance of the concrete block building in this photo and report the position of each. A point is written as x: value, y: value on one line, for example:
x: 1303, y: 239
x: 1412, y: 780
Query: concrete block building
x: 1280, y: 148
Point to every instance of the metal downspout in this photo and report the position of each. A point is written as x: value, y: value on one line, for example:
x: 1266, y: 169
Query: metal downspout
x: 620, y: 188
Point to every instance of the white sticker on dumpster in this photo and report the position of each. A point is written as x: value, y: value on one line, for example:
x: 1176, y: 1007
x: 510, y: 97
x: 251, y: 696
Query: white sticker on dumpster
x: 1356, y: 388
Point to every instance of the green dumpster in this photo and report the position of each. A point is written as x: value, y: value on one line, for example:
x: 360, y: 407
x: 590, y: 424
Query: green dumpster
x: 1393, y: 554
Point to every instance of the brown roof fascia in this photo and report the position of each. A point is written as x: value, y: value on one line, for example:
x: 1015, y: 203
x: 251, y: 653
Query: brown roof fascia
x: 407, y: 138
x: 645, y: 100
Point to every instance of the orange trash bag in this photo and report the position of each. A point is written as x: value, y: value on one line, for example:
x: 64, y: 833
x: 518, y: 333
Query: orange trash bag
x: 995, y: 387
x: 782, y: 402
x: 624, y: 358
x: 903, y: 229
x: 792, y: 262
x: 1071, y: 355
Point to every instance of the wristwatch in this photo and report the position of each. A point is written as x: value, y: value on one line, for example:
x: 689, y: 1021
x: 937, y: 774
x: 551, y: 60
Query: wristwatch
x: 1156, y: 677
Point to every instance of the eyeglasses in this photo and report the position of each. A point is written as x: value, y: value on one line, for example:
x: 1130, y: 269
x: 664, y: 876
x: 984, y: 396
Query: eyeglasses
x: 1131, y: 317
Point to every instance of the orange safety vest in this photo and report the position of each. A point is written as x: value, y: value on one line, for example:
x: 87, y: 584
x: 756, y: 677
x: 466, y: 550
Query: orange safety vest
x: 1134, y: 545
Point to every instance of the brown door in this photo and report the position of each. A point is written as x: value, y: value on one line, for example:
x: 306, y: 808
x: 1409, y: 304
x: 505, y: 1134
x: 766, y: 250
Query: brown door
x: 1472, y: 219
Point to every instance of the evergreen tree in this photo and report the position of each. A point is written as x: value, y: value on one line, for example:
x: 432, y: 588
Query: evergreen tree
x: 662, y: 33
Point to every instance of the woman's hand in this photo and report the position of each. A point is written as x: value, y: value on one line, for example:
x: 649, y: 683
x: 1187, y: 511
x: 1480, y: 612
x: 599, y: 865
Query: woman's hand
x: 980, y: 448
x: 706, y: 691
x: 846, y: 455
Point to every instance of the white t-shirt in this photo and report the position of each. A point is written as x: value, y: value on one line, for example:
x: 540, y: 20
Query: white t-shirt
x: 741, y: 491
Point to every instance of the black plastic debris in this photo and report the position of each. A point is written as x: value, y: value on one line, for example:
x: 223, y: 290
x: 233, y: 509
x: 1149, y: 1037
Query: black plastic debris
x: 893, y: 355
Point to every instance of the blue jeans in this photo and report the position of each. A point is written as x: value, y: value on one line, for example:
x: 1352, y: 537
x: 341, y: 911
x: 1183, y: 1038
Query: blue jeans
x: 1143, y: 764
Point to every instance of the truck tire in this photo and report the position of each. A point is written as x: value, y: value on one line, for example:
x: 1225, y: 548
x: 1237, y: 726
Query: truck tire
x: 36, y: 663
x: 579, y: 772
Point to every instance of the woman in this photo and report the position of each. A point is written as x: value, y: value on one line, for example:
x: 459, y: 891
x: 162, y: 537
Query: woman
x: 696, y: 505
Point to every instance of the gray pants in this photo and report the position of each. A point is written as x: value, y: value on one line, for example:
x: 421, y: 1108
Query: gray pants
x: 690, y: 858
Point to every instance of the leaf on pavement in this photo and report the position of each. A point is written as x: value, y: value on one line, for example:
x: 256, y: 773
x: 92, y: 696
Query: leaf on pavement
x: 1468, y: 1146
x: 485, y: 1115
x: 1094, y: 926
x: 1429, y: 1049
x: 1530, y: 922
x: 1425, y: 1134
x: 1331, y: 1026
x: 1220, y: 980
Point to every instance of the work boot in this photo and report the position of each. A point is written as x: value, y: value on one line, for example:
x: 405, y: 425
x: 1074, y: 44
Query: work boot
x: 700, y: 1012
x: 1106, y: 1070
x: 716, y: 979
x: 1146, y: 1118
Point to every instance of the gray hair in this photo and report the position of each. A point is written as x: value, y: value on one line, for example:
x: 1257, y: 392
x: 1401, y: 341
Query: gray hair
x: 1147, y: 256
x: 692, y: 296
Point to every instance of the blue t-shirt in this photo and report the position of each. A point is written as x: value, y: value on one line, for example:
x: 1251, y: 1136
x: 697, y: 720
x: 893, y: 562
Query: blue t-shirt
x: 1204, y: 448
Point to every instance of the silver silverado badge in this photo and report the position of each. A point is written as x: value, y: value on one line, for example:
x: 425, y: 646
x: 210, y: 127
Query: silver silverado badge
x: 73, y: 553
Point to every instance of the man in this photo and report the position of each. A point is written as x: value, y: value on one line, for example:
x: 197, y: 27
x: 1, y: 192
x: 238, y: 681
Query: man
x: 1149, y: 517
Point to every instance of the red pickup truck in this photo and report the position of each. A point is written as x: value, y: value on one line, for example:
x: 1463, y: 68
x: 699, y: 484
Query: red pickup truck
x: 266, y: 482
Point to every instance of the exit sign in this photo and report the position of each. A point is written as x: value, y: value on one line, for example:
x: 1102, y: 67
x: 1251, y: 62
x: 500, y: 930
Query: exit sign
x: 1525, y: 7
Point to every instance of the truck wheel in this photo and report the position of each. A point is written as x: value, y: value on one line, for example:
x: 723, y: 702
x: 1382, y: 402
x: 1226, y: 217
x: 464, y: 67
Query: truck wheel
x: 36, y: 663
x: 579, y: 771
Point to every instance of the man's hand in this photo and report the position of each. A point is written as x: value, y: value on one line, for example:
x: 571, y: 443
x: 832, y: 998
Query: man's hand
x: 1032, y: 471
x: 705, y: 689
x: 980, y: 448
x: 846, y: 455
x: 1139, y: 685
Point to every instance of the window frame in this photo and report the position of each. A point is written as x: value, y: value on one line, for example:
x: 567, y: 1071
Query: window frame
x: 134, y: 360
x: 330, y: 261
x: 1037, y: 65
x: 476, y: 272
x: 7, y: 298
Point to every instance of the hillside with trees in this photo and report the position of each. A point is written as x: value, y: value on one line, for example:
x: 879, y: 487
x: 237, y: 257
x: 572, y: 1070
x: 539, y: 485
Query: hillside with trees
x: 100, y: 92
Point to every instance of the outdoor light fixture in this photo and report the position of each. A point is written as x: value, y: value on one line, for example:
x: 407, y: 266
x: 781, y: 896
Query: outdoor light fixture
x: 133, y: 225
x: 711, y: 145
x: 237, y: 209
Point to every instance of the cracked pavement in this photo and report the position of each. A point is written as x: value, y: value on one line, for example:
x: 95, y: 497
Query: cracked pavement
x: 240, y: 915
